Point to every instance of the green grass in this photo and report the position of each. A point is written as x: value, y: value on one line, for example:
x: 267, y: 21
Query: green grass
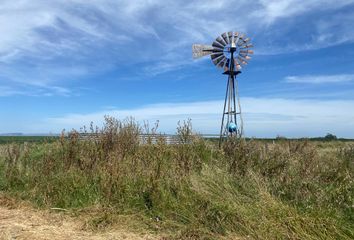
x: 248, y: 189
x: 28, y: 139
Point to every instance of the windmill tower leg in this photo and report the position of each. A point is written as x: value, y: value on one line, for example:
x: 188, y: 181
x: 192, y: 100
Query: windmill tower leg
x: 223, y: 115
x: 230, y: 126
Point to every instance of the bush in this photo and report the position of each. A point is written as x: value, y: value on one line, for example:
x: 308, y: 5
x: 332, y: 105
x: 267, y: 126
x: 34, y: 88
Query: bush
x: 330, y: 137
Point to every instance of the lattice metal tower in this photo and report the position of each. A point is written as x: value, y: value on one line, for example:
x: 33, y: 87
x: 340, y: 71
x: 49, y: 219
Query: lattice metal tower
x: 229, y: 51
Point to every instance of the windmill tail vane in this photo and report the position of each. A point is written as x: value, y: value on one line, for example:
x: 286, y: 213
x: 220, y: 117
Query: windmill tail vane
x: 230, y: 51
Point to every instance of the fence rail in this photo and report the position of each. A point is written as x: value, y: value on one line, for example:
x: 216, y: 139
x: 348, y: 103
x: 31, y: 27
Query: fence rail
x: 150, y: 138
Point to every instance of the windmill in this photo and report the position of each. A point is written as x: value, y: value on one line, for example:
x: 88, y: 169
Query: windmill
x: 230, y: 51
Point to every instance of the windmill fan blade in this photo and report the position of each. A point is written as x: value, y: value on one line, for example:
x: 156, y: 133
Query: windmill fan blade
x: 217, y: 45
x: 238, y: 67
x: 242, y: 61
x: 247, y: 46
x: 247, y: 57
x: 217, y: 50
x: 225, y: 37
x: 231, y: 36
x: 240, y: 42
x: 243, y: 53
x: 218, y: 61
x: 222, y: 63
x: 243, y: 46
x: 221, y: 41
x: 200, y: 50
x: 236, y: 40
x: 216, y: 56
x: 235, y: 37
x: 247, y: 51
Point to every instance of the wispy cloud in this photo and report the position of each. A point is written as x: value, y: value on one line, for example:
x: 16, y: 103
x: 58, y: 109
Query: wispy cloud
x: 319, y: 79
x: 263, y: 116
x: 35, y: 91
x: 38, y: 79
x: 7, y: 91
x: 57, y: 28
x: 274, y: 9
x: 78, y: 34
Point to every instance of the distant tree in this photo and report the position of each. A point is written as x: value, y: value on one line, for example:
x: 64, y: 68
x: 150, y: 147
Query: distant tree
x: 279, y: 137
x: 330, y: 137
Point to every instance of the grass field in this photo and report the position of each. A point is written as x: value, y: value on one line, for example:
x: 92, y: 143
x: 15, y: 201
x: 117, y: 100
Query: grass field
x: 28, y: 139
x: 248, y: 189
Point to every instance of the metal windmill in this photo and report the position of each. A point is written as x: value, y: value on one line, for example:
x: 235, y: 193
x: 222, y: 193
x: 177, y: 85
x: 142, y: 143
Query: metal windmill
x: 229, y: 51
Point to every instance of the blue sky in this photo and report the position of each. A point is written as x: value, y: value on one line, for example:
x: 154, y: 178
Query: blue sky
x: 64, y: 64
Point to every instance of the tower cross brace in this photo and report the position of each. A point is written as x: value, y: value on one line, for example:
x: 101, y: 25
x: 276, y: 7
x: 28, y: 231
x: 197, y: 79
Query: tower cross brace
x: 231, y: 123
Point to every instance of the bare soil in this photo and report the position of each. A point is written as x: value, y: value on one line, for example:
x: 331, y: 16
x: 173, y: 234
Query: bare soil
x: 24, y: 222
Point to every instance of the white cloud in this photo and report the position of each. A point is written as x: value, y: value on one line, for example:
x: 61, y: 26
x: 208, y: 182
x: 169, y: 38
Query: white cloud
x: 59, y: 34
x: 274, y: 9
x: 41, y: 79
x: 263, y: 117
x: 319, y: 79
x: 335, y: 29
x: 35, y: 91
x: 7, y: 91
x: 173, y: 24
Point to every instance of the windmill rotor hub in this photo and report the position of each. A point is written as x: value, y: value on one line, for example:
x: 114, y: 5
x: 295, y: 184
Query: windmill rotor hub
x: 233, y: 47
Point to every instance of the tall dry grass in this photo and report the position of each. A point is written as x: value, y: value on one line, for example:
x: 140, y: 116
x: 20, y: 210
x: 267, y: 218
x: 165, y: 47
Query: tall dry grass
x: 192, y: 190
